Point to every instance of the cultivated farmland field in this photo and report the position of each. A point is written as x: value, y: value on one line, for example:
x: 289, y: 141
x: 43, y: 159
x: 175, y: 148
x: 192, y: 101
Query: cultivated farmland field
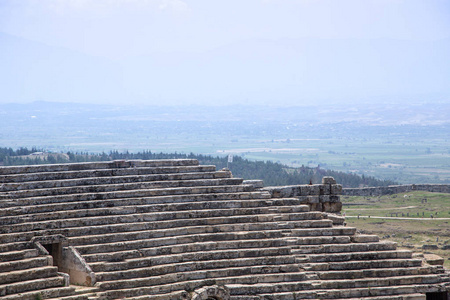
x: 407, y: 143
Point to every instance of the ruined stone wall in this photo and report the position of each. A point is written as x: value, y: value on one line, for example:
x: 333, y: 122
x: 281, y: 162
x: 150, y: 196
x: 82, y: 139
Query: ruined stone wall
x: 395, y: 189
x: 319, y: 197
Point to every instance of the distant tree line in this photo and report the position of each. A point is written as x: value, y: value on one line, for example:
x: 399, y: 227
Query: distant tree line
x: 271, y: 173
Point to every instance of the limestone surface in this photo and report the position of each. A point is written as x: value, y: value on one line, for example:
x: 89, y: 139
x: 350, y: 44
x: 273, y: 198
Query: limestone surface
x: 174, y: 229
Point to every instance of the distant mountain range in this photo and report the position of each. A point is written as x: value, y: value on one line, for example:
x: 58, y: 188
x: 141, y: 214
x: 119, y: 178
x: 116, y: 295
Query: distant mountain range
x: 284, y: 72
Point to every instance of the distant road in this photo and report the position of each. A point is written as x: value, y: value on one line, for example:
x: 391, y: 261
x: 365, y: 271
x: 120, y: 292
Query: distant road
x: 387, y: 208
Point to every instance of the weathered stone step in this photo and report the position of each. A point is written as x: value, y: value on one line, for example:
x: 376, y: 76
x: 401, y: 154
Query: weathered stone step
x: 85, y: 290
x: 18, y: 255
x: 31, y: 285
x: 374, y: 282
x: 356, y: 256
x: 36, y: 213
x: 135, y: 220
x: 53, y: 168
x: 15, y: 246
x: 149, y: 230
x: 104, y: 188
x: 72, y: 297
x: 130, y: 194
x: 156, y: 291
x: 332, y: 231
x: 163, y: 265
x: 365, y: 238
x: 129, y: 280
x: 189, y: 230
x: 226, y: 254
x: 319, y: 240
x: 174, y: 240
x: 61, y: 293
x: 353, y: 247
x: 160, y: 282
x: 191, y: 286
x: 364, y: 292
x: 219, y: 223
x: 28, y: 274
x: 34, y: 262
x: 45, y: 184
x: 264, y: 288
x: 104, y: 173
x: 287, y: 290
x: 166, y: 296
x: 294, y: 295
x: 184, y: 248
x: 366, y: 273
x: 394, y: 297
x: 365, y: 264
x: 312, y: 295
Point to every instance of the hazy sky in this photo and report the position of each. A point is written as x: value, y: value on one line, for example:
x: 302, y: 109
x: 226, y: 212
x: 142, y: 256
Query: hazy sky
x: 200, y: 51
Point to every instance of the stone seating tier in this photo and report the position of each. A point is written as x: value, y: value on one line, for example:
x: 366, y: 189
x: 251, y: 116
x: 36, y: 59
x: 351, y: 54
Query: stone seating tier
x: 380, y: 272
x: 121, y: 232
x: 69, y: 175
x: 62, y: 293
x: 108, y: 179
x: 363, y: 264
x: 139, y: 193
x: 173, y: 248
x: 144, y: 218
x: 103, y: 188
x: 294, y: 291
x: 169, y: 229
x: 118, y: 164
x: 28, y: 263
x: 312, y: 295
x: 26, y: 272
x: 106, y: 207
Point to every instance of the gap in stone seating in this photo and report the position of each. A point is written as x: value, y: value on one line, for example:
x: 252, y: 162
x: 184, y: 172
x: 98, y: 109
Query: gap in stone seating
x: 55, y: 250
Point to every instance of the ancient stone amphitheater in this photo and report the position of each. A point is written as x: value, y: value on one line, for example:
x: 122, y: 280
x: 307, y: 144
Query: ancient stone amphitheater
x: 174, y: 229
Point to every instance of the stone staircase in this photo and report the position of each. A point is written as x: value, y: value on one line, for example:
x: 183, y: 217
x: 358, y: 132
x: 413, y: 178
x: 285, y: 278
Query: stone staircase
x: 173, y: 229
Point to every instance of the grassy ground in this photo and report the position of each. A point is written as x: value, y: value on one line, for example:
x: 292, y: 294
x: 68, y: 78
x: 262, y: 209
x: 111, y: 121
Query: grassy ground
x: 418, y: 220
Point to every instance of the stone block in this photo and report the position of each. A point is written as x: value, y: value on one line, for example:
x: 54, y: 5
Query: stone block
x: 429, y: 247
x: 332, y: 207
x: 336, y: 189
x: 303, y: 199
x: 324, y: 198
x: 328, y: 180
x: 287, y: 192
x: 434, y: 259
x: 325, y: 189
x: 296, y: 190
x: 307, y: 190
x: 315, y: 206
x: 312, y: 199
x: 334, y: 198
x: 257, y: 184
x: 276, y: 193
